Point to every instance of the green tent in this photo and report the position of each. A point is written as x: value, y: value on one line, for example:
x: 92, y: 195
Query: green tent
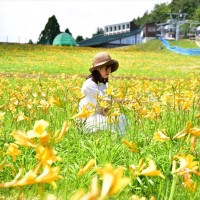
x: 64, y: 39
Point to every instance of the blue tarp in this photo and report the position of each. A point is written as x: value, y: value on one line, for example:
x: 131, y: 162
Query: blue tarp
x: 180, y: 50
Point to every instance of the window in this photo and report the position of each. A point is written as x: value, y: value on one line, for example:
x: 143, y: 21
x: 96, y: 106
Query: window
x: 119, y: 27
x: 123, y: 26
x: 127, y: 26
x: 151, y: 29
x: 106, y: 29
x: 110, y: 28
x: 115, y: 28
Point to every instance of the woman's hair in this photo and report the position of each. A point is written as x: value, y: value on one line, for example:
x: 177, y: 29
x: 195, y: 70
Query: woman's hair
x: 96, y: 77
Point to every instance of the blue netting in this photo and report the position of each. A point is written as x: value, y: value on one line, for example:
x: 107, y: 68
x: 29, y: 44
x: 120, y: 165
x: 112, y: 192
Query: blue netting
x: 180, y: 50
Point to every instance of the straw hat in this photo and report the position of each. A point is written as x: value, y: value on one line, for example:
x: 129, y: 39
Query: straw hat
x: 103, y: 59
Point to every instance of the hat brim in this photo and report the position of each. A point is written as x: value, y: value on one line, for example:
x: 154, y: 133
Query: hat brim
x: 112, y: 63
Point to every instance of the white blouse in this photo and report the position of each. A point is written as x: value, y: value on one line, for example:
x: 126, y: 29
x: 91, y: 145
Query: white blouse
x: 91, y: 90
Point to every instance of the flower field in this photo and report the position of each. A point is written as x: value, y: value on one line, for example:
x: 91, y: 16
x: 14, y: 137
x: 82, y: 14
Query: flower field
x: 45, y: 153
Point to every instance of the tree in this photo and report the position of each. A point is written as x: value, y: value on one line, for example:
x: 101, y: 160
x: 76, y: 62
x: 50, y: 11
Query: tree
x: 30, y: 42
x: 98, y: 32
x: 51, y: 30
x: 143, y: 20
x: 79, y: 38
x: 67, y: 31
x: 160, y: 13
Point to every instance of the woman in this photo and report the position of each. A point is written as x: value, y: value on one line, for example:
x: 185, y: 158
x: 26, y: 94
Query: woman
x: 93, y: 89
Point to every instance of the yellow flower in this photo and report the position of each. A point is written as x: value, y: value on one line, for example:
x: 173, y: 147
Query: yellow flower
x: 144, y: 170
x: 93, y: 194
x: 113, y: 182
x: 22, y: 139
x: 84, y: 113
x: 188, y: 182
x: 160, y: 136
x: 184, y: 132
x: 46, y: 154
x: 197, y: 116
x: 2, y: 115
x: 38, y: 129
x: 187, y: 165
x: 13, y: 150
x: 49, y: 175
x: 132, y: 145
x: 87, y: 167
x: 60, y: 134
x: 135, y: 197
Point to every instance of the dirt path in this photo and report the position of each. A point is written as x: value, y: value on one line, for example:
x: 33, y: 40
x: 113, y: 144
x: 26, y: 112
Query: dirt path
x: 29, y: 75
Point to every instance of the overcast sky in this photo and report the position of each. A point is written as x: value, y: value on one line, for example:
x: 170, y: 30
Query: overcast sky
x: 25, y: 19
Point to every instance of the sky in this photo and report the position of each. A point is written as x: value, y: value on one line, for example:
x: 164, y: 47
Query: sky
x: 22, y: 20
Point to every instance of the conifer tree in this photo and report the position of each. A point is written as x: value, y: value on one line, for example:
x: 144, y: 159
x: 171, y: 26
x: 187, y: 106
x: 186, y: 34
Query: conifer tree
x: 51, y: 30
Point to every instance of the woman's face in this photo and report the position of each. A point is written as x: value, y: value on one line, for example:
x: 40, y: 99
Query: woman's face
x: 104, y: 71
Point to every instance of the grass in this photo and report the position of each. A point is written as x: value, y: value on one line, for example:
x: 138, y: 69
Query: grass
x: 141, y: 60
x: 44, y: 82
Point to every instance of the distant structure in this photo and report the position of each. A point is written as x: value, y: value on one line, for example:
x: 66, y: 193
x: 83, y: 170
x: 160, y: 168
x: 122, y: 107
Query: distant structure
x: 122, y: 34
x: 64, y: 39
x: 171, y: 29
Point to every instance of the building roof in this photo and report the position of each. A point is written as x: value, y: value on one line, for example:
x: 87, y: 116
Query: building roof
x: 102, y: 39
x: 64, y: 39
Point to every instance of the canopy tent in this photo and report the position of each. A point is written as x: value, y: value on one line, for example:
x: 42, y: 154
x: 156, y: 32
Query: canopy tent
x: 64, y: 39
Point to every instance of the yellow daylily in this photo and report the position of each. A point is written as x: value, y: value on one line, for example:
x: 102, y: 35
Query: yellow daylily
x: 84, y: 113
x: 184, y: 132
x: 46, y: 154
x: 49, y: 175
x: 60, y: 134
x: 22, y: 139
x: 93, y: 193
x: 131, y: 145
x: 13, y: 150
x: 113, y: 182
x: 160, y: 136
x: 87, y: 167
x: 144, y: 170
x: 39, y: 129
x: 2, y: 114
x: 187, y: 164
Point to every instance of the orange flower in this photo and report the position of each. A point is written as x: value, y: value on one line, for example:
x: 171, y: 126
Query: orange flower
x: 13, y: 150
x: 160, y: 136
x: 150, y: 170
x: 91, y: 195
x: 60, y: 134
x: 46, y: 154
x: 38, y: 129
x: 23, y: 139
x: 84, y: 113
x: 87, y: 167
x: 49, y: 175
x: 131, y: 145
x: 187, y: 165
x: 113, y: 182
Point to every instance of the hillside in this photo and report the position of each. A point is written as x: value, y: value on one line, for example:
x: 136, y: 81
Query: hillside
x: 150, y: 60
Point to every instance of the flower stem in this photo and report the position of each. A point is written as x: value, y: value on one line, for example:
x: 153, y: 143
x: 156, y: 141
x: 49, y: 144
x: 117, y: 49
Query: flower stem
x: 173, y: 187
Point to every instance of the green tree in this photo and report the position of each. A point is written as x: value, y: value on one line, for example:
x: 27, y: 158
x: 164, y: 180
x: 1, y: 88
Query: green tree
x: 197, y: 14
x: 98, y: 32
x: 51, y: 30
x: 79, y: 38
x: 185, y: 6
x: 143, y: 20
x: 160, y: 13
x: 68, y: 31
